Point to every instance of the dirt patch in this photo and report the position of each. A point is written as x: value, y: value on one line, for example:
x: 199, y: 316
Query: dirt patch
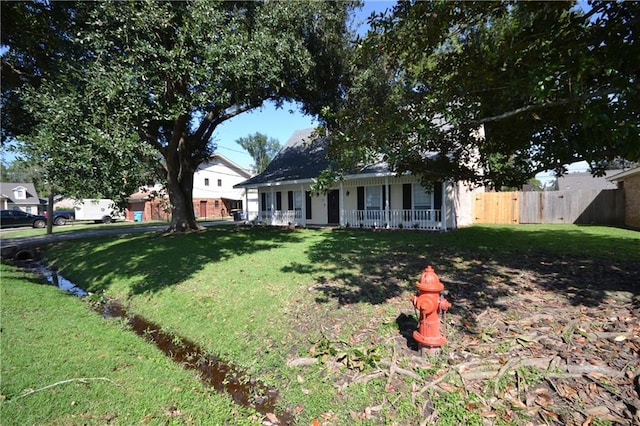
x: 534, y: 339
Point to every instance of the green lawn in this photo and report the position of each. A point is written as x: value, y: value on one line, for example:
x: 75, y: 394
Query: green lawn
x: 262, y: 297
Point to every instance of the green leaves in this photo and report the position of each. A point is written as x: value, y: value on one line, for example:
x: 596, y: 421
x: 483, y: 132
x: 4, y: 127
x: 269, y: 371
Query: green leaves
x: 548, y: 83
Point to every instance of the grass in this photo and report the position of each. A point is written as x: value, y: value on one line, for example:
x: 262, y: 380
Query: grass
x: 50, y: 339
x: 259, y: 297
x: 82, y: 225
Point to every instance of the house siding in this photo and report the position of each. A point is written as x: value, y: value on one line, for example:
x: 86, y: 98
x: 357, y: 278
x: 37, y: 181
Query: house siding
x: 352, y: 193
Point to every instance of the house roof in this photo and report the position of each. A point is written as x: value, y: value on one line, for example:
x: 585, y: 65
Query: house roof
x: 301, y: 160
x: 577, y: 181
x: 7, y: 188
x: 624, y: 175
x: 230, y: 164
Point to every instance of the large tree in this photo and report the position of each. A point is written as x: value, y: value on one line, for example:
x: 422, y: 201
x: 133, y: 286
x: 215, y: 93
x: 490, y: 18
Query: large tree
x: 494, y: 92
x: 166, y: 74
x: 174, y: 71
x: 261, y: 148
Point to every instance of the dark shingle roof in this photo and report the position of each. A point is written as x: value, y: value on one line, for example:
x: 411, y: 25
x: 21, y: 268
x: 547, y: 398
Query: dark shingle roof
x: 302, y: 158
x: 579, y: 181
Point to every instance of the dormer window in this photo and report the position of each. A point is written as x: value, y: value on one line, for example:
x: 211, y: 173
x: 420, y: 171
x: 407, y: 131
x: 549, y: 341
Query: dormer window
x: 19, y: 193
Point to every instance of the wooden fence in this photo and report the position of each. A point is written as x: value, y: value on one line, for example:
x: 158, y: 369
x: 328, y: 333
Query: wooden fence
x: 603, y: 207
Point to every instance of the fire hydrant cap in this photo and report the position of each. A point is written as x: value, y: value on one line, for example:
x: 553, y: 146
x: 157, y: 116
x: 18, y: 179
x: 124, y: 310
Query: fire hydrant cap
x: 429, y: 281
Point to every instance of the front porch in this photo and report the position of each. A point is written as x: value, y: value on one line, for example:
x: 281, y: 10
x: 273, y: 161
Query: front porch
x: 427, y: 219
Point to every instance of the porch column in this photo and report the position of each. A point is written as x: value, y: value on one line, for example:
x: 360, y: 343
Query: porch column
x: 273, y: 206
x: 443, y: 224
x: 387, y: 202
x: 303, y: 219
x: 341, y: 204
x: 246, y: 204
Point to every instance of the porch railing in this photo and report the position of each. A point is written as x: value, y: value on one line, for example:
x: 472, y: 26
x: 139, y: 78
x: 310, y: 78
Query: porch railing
x: 280, y: 217
x: 429, y: 219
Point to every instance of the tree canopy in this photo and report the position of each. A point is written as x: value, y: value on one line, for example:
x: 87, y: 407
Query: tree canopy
x: 498, y: 91
x: 164, y: 75
x: 261, y: 148
x: 62, y: 138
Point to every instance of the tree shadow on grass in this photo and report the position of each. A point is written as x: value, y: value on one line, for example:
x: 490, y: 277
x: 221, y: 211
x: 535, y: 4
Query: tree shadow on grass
x: 480, y: 267
x: 153, y: 263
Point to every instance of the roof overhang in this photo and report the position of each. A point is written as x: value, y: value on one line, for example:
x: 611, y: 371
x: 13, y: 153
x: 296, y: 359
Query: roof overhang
x: 624, y: 175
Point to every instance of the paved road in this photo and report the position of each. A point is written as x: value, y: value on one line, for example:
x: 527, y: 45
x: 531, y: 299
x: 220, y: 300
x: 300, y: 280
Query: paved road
x: 71, y: 235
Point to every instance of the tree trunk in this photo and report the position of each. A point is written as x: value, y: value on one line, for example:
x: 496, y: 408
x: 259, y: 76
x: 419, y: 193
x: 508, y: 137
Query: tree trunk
x: 180, y: 189
x: 180, y: 169
x: 50, y: 211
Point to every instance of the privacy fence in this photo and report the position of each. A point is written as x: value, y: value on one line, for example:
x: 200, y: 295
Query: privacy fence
x: 602, y: 207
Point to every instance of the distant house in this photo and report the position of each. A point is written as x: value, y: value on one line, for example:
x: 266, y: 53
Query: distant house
x: 214, y: 194
x: 584, y: 180
x: 629, y: 180
x: 19, y: 196
x: 373, y: 197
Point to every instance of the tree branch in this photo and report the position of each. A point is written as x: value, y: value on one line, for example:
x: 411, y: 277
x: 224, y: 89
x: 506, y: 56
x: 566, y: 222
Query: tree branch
x: 79, y: 379
x: 535, y: 107
x: 215, y: 118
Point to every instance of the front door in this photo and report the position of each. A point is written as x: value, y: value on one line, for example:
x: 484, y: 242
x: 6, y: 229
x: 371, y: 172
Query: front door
x: 333, y: 207
x: 203, y: 208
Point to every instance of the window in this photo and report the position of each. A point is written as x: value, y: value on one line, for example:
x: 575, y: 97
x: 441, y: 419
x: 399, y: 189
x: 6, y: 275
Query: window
x: 206, y: 181
x: 219, y: 182
x: 373, y: 198
x: 216, y: 204
x: 297, y: 201
x: 422, y: 198
x: 266, y: 201
x: 19, y: 193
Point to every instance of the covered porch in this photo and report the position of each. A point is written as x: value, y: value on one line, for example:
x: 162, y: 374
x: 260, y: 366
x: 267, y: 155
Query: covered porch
x: 430, y: 219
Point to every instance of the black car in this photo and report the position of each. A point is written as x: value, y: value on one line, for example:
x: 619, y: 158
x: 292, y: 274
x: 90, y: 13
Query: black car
x: 14, y: 218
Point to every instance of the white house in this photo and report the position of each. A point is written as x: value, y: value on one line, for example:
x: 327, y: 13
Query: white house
x: 372, y: 197
x: 214, y: 191
x: 214, y: 195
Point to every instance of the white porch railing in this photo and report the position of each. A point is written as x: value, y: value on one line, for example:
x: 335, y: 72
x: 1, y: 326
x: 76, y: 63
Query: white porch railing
x: 280, y: 217
x: 396, y: 219
x: 430, y: 219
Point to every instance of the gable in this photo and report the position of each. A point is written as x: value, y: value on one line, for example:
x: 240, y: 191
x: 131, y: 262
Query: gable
x: 20, y: 193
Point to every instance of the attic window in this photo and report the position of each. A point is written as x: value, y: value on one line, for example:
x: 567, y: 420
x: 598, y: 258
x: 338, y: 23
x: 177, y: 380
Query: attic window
x: 20, y: 193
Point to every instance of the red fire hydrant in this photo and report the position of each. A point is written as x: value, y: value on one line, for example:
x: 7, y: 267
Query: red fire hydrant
x: 429, y: 302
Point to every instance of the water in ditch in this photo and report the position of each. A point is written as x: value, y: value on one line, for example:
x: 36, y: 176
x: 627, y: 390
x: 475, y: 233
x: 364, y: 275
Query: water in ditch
x: 214, y: 372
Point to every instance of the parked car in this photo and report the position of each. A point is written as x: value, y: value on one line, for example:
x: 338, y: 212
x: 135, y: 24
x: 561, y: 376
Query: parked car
x: 60, y: 217
x: 15, y: 218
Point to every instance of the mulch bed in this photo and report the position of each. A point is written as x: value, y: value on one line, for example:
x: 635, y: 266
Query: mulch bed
x: 536, y: 340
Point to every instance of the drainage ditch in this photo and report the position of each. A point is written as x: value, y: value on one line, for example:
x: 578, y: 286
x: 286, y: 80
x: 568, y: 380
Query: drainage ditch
x: 214, y: 372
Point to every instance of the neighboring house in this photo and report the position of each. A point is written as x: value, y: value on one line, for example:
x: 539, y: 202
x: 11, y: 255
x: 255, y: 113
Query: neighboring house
x: 214, y: 194
x: 584, y: 180
x: 629, y: 180
x: 150, y: 203
x: 372, y: 197
x: 19, y: 196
